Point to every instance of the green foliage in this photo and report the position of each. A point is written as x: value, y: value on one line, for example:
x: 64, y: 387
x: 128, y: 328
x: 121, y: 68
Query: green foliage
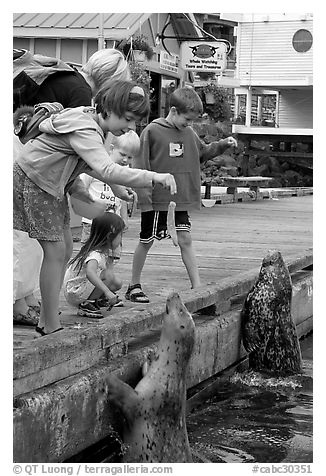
x: 140, y: 42
x: 220, y: 110
x: 140, y: 75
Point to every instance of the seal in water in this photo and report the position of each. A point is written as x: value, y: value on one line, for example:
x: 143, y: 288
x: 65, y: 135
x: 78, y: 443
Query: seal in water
x: 155, y: 424
x: 268, y: 330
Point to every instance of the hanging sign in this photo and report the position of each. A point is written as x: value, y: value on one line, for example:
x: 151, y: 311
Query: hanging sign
x: 203, y: 56
x: 168, y: 62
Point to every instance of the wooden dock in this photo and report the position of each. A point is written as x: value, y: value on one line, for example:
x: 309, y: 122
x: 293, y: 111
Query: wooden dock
x: 52, y: 374
x: 229, y: 239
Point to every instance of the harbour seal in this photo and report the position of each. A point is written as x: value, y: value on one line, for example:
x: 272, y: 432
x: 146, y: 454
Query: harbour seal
x: 268, y: 330
x: 155, y: 423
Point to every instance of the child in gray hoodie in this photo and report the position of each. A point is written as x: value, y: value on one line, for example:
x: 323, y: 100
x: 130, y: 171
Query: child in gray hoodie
x: 170, y: 145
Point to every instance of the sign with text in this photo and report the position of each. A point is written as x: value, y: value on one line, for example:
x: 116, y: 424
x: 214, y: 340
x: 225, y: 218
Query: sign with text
x: 168, y: 62
x: 203, y: 56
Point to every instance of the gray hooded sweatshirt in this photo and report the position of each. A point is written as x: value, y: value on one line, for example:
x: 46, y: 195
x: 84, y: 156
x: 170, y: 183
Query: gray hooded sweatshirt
x: 72, y: 143
x: 166, y: 149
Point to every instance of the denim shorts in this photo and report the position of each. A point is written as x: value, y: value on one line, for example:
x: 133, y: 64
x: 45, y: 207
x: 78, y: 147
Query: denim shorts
x: 36, y: 212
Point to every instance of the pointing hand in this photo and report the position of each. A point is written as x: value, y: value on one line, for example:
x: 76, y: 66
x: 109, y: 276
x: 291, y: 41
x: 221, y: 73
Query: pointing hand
x: 231, y: 142
x: 167, y: 181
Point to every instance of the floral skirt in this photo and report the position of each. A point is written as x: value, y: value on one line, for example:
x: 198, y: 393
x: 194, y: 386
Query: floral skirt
x: 36, y: 212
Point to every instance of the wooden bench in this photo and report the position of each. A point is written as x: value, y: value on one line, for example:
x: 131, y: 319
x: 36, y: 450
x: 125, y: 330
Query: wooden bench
x: 252, y: 182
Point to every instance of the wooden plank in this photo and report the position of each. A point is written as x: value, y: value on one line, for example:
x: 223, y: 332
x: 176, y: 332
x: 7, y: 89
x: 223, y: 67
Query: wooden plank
x: 280, y: 154
x: 244, y: 196
x: 246, y: 181
x: 282, y: 133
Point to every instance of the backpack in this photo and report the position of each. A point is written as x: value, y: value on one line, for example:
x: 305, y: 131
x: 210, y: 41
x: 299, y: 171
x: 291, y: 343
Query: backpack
x: 27, y: 119
x: 29, y: 72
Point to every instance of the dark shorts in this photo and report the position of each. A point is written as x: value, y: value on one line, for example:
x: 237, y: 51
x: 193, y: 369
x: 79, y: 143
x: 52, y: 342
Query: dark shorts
x: 154, y: 226
x: 36, y: 212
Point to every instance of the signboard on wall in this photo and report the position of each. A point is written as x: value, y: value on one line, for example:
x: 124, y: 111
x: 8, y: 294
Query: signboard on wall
x: 168, y: 62
x: 208, y: 56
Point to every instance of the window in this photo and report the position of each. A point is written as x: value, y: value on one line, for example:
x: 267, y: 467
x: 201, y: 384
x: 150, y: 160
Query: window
x: 45, y: 47
x: 302, y: 41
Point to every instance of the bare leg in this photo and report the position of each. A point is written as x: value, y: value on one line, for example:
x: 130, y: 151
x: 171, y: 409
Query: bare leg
x: 31, y: 300
x: 110, y: 280
x: 138, y: 262
x: 50, y: 283
x: 20, y: 307
x: 69, y: 244
x: 189, y: 258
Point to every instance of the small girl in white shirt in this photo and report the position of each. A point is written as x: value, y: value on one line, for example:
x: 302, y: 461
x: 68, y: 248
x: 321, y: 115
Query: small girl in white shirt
x: 90, y: 282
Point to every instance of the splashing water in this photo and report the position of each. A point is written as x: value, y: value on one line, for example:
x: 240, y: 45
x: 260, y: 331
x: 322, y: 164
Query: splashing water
x: 256, y: 379
x: 253, y: 418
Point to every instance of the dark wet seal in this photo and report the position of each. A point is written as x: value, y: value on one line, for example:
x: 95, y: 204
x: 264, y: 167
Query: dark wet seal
x: 268, y: 330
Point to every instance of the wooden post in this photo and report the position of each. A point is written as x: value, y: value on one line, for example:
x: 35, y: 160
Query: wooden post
x: 259, y: 109
x: 248, y: 107
x: 208, y: 188
x: 101, y: 40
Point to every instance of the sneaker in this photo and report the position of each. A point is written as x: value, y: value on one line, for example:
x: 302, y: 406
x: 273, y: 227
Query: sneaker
x: 89, y: 309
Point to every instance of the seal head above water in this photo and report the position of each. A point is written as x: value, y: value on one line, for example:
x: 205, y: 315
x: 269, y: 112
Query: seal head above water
x: 268, y: 330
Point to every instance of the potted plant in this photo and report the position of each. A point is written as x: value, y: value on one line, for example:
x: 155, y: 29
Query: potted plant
x: 141, y: 47
x: 140, y: 75
x: 209, y: 92
x: 217, y: 104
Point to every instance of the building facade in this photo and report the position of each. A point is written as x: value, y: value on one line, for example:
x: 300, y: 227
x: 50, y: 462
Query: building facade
x: 274, y: 59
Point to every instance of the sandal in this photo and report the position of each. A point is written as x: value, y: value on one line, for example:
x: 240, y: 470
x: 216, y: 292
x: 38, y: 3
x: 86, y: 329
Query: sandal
x: 29, y: 319
x: 138, y: 296
x: 40, y: 330
x: 36, y: 308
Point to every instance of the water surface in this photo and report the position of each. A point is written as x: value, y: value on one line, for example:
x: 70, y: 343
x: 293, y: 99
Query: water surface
x: 255, y: 419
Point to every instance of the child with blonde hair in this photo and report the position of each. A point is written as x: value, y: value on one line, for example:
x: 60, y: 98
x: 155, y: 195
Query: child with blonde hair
x: 122, y: 149
x: 71, y: 143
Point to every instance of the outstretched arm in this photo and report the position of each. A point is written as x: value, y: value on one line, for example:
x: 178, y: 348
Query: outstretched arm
x: 209, y: 151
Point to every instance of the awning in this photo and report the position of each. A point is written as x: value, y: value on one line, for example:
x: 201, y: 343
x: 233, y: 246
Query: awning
x: 182, y: 27
x: 116, y: 26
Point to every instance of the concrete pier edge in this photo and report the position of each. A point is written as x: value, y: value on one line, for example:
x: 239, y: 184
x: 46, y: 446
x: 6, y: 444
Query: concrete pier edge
x: 70, y: 413
x: 48, y: 360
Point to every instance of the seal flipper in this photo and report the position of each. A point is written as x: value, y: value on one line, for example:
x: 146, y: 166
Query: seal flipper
x: 123, y: 396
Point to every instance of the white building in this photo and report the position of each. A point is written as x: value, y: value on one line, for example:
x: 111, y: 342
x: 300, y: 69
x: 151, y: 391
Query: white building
x: 274, y: 57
